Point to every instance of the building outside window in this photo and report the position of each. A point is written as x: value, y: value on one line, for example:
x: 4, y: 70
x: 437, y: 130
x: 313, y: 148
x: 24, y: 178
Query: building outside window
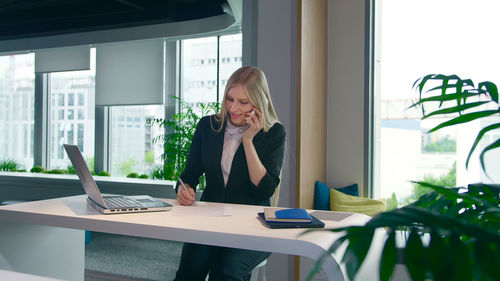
x: 71, y: 99
x: 230, y: 47
x: 416, y: 38
x: 63, y: 86
x: 17, y: 88
x: 199, y: 81
x: 132, y: 148
x: 196, y: 78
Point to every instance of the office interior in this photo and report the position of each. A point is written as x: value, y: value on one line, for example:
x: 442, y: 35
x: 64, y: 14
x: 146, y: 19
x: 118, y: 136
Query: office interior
x: 303, y: 52
x: 318, y: 59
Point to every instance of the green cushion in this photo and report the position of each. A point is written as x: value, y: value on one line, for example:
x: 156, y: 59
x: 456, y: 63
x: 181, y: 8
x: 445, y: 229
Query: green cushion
x: 346, y: 203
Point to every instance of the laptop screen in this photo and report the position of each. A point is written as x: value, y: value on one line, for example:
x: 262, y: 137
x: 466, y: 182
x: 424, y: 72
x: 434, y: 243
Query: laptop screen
x: 84, y: 174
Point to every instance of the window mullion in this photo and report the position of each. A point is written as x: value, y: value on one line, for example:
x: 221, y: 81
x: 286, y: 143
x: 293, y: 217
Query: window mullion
x: 218, y: 66
x: 101, y: 137
x: 41, y: 128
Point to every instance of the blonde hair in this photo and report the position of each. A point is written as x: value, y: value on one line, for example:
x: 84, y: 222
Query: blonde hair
x: 254, y: 83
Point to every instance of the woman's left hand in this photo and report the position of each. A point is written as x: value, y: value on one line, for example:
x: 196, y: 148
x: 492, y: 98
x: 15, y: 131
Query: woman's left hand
x: 254, y: 119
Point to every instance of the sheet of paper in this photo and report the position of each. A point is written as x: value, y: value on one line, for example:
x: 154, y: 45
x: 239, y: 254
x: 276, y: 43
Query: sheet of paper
x: 201, y: 210
x: 330, y: 216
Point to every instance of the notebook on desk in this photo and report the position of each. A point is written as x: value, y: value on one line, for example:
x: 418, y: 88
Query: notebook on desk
x: 110, y: 204
x: 315, y: 223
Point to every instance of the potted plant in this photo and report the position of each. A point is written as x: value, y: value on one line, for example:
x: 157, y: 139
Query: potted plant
x: 451, y: 233
x: 179, y: 132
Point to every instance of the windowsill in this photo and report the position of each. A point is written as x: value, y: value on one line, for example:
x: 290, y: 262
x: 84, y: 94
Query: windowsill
x: 25, y: 186
x: 96, y: 178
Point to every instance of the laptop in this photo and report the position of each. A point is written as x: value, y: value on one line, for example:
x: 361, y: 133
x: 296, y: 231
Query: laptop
x: 110, y: 204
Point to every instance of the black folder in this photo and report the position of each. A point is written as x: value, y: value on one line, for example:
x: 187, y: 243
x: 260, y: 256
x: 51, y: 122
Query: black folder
x: 315, y: 223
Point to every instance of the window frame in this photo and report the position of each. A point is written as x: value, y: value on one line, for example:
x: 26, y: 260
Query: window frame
x: 43, y: 106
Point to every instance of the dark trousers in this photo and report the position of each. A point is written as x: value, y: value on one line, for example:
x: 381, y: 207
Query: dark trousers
x: 222, y: 263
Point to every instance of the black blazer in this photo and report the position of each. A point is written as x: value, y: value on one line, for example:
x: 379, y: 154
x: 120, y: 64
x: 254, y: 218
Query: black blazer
x: 205, y: 157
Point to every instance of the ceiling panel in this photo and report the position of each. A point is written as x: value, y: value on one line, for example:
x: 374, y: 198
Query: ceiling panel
x: 33, y: 18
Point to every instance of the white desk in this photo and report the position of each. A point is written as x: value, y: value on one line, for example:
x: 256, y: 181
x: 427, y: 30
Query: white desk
x: 33, y: 228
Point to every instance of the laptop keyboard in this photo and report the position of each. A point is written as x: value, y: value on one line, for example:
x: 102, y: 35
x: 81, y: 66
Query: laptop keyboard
x: 120, y: 202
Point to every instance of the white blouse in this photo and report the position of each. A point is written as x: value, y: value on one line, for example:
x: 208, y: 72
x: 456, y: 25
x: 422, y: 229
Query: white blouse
x: 232, y: 140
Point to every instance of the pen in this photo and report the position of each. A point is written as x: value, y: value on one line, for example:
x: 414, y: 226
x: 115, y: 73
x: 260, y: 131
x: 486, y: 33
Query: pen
x: 182, y: 184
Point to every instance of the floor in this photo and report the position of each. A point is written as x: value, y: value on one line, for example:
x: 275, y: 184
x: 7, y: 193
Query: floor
x: 126, y: 258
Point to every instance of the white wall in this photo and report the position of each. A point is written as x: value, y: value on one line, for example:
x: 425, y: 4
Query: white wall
x: 277, y: 57
x: 346, y: 93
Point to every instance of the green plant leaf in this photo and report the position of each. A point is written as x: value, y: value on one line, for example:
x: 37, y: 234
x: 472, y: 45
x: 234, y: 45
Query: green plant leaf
x: 444, y: 224
x: 458, y: 87
x: 461, y: 263
x: 455, y: 109
x: 448, y: 97
x: 494, y: 145
x: 456, y: 209
x: 465, y: 118
x: 491, y: 88
x: 317, y: 265
x: 438, y: 259
x: 487, y: 260
x: 441, y: 204
x: 179, y: 132
x: 452, y: 193
x: 393, y: 219
x: 388, y: 258
x: 415, y: 257
x: 426, y: 199
x: 359, y: 243
x: 478, y: 138
x: 420, y: 83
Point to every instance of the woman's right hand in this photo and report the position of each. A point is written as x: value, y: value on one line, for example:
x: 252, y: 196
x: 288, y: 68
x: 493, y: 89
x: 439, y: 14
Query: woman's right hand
x: 184, y: 197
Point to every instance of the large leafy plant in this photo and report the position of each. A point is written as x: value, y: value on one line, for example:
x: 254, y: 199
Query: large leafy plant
x: 179, y: 132
x: 451, y: 233
x: 461, y: 97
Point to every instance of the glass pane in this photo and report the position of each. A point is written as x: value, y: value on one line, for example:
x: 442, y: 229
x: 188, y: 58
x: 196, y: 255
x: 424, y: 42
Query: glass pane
x: 417, y: 38
x: 230, y: 59
x: 65, y: 126
x: 132, y: 147
x: 17, y: 93
x: 199, y: 70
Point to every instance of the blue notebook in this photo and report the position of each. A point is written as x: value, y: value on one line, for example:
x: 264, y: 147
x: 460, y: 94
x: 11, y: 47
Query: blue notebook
x: 315, y: 223
x: 286, y: 215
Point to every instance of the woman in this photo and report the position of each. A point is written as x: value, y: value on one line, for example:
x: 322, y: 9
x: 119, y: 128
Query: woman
x: 240, y: 150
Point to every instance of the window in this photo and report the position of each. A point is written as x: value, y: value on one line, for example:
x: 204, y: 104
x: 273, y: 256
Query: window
x: 81, y: 116
x: 132, y: 147
x: 416, y: 38
x: 71, y: 99
x: 62, y: 92
x: 61, y: 99
x: 17, y: 88
x: 230, y: 46
x: 81, y: 99
x: 71, y: 134
x: 80, y: 139
x: 200, y: 81
x: 61, y: 114
x: 195, y: 74
x: 205, y: 65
